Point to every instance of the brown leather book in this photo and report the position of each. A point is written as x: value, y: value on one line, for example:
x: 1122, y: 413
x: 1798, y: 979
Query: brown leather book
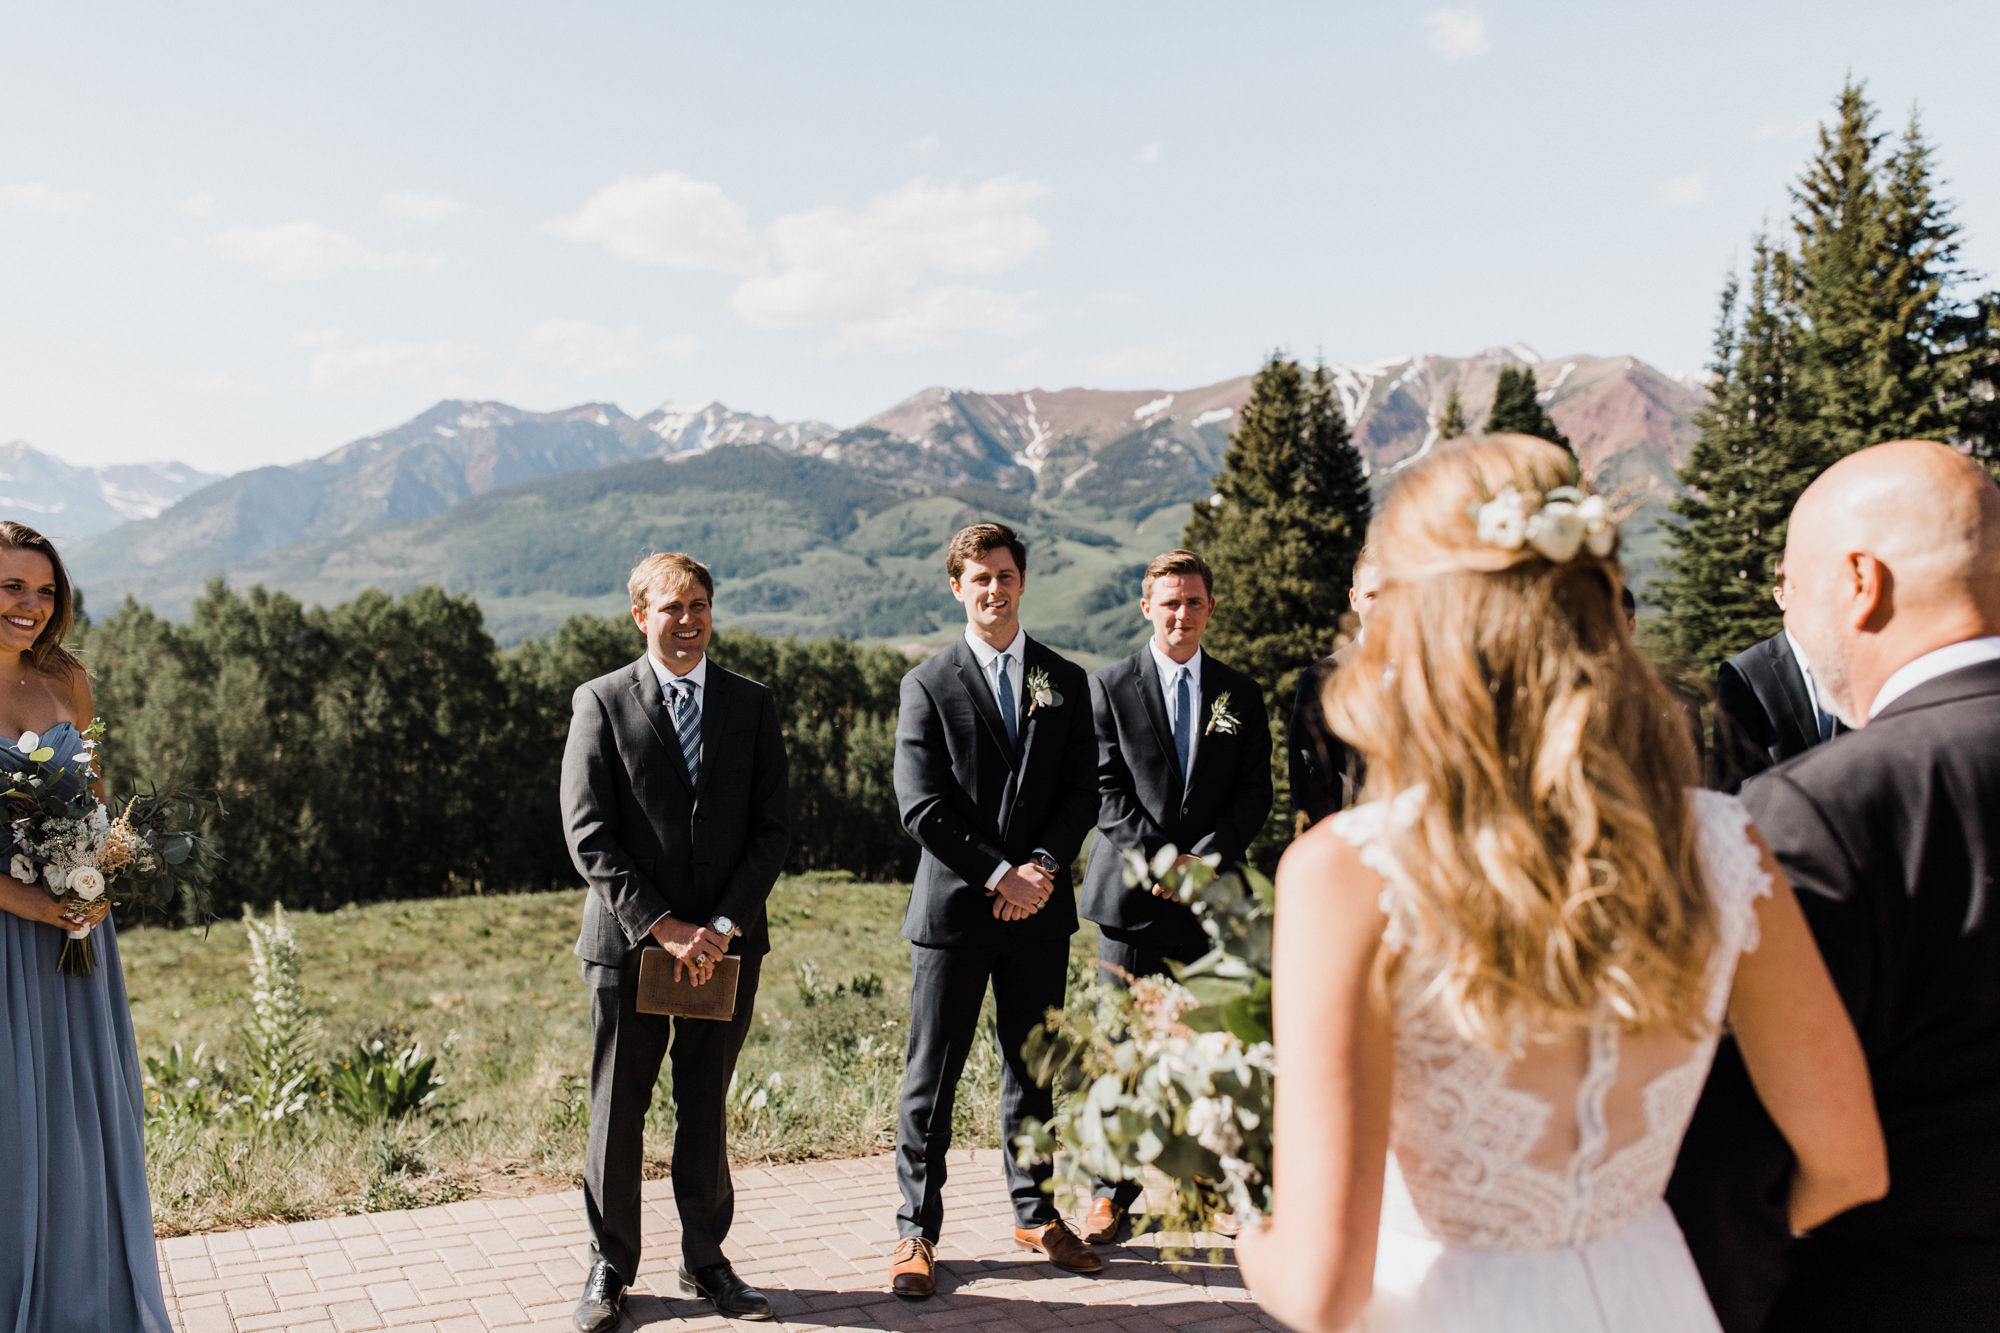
x: 659, y: 993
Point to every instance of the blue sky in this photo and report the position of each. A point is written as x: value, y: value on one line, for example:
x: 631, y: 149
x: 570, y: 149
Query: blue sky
x: 244, y: 234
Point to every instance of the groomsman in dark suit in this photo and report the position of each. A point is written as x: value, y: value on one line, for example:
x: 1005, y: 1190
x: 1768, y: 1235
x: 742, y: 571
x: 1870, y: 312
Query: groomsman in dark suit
x: 1183, y: 761
x: 1891, y: 835
x: 1767, y: 707
x: 673, y: 803
x: 996, y: 779
x: 1326, y: 775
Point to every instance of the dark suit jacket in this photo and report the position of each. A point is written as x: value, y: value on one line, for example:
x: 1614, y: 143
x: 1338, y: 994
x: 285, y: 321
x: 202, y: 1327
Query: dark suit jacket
x: 645, y: 839
x: 1891, y: 834
x: 1763, y: 715
x: 1326, y: 773
x: 973, y: 801
x: 1143, y: 802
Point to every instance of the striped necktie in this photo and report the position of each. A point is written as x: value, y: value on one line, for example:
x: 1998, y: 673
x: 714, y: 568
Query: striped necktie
x: 687, y: 725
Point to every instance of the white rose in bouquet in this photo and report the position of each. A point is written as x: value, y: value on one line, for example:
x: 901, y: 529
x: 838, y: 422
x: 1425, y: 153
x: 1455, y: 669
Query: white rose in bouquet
x: 87, y: 883
x: 22, y: 868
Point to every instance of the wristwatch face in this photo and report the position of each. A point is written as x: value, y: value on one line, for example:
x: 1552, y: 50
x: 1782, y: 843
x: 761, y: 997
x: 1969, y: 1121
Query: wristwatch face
x: 722, y: 925
x: 1047, y: 862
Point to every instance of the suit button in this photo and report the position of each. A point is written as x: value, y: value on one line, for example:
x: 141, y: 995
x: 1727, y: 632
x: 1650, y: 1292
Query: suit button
x: 1020, y: 801
x: 1184, y: 811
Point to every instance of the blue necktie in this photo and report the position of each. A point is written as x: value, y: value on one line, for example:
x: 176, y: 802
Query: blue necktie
x: 1006, y: 693
x: 1183, y: 724
x: 1825, y: 721
x: 687, y: 725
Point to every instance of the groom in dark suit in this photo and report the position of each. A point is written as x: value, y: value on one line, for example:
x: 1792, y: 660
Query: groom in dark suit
x: 1767, y: 707
x: 995, y: 776
x: 1183, y: 761
x: 673, y: 802
x: 1891, y: 835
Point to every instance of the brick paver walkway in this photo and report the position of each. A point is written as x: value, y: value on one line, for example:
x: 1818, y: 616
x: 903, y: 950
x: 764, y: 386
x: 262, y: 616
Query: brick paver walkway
x: 815, y: 1237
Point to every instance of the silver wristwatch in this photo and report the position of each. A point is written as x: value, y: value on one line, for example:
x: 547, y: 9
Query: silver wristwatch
x: 724, y: 927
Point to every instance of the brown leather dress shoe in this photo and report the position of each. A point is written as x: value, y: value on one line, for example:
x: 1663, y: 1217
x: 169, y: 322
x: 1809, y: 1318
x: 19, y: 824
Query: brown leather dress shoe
x: 913, y: 1276
x: 1061, y: 1245
x: 1101, y: 1222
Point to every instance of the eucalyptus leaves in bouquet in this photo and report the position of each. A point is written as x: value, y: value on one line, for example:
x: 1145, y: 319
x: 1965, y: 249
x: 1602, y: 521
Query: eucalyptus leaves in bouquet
x: 1175, y: 1073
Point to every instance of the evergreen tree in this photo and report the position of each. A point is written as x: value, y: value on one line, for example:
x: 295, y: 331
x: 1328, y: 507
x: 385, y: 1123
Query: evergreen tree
x: 1451, y: 422
x: 1751, y: 460
x: 1518, y: 411
x: 1283, y: 530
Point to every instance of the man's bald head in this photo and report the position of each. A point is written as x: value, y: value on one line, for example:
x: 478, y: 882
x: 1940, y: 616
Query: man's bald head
x: 1891, y: 553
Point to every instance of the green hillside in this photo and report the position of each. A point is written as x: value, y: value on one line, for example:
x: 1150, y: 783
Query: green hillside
x: 799, y: 546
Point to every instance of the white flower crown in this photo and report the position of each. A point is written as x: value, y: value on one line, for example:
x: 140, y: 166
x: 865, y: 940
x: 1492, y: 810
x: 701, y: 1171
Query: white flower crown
x: 1556, y: 523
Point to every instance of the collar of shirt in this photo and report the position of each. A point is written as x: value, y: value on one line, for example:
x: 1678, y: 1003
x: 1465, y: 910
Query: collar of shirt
x: 1937, y: 662
x: 1805, y: 673
x: 1166, y: 666
x: 986, y: 652
x: 697, y: 677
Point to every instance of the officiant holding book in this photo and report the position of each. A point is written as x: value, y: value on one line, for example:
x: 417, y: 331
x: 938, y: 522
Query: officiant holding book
x: 674, y: 807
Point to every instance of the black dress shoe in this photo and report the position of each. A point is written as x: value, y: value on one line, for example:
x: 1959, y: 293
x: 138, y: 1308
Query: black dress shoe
x: 729, y: 1294
x: 603, y: 1300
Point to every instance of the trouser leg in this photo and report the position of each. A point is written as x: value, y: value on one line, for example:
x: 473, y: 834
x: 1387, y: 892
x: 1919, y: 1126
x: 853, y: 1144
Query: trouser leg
x: 946, y: 988
x: 626, y: 1049
x: 703, y: 1057
x: 1123, y: 955
x: 1027, y: 982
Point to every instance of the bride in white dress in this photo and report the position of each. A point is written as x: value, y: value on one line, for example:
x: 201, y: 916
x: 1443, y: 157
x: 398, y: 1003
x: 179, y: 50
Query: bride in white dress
x: 1510, y: 966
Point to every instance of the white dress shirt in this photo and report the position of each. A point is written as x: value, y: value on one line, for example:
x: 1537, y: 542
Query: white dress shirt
x: 1812, y: 686
x: 989, y: 657
x: 699, y: 679
x: 1167, y: 667
x: 1937, y: 662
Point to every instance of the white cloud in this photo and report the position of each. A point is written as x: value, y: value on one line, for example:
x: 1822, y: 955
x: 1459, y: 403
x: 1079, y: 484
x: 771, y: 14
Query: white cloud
x: 307, y: 251
x: 667, y: 220
x: 198, y: 205
x: 1115, y: 298
x: 863, y: 271
x: 1150, y: 153
x: 416, y: 206
x: 928, y: 142
x: 317, y: 338
x: 425, y: 365
x: 1684, y: 191
x: 594, y: 352
x: 42, y: 197
x: 1456, y: 34
x: 1160, y: 360
x: 1023, y: 360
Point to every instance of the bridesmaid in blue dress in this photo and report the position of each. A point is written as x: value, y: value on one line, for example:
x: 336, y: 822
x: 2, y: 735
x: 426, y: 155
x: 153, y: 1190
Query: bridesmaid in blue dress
x: 76, y: 1223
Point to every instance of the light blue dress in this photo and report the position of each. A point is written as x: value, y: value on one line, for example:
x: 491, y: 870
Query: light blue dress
x: 76, y: 1222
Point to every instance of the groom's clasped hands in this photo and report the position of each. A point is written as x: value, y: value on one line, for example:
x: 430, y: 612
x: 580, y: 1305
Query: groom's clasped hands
x: 1022, y: 891
x: 695, y: 948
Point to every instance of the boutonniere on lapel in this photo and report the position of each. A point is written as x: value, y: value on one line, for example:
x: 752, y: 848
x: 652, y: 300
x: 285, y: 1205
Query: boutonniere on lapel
x: 1220, y: 719
x: 1041, y: 693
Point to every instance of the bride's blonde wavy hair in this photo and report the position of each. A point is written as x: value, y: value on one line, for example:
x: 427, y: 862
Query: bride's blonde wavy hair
x: 1551, y: 864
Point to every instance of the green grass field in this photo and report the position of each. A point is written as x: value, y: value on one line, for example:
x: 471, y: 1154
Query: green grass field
x: 494, y: 977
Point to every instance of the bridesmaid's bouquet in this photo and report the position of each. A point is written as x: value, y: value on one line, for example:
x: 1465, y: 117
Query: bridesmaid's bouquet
x: 1176, y: 1073
x: 68, y: 840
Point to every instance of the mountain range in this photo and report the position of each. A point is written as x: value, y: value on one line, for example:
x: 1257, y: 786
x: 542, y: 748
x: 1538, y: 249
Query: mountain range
x: 813, y: 529
x: 68, y: 503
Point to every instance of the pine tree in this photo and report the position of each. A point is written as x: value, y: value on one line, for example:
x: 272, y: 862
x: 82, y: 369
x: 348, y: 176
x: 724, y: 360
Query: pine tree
x: 1518, y: 411
x: 1451, y: 422
x: 1751, y: 461
x: 1283, y: 529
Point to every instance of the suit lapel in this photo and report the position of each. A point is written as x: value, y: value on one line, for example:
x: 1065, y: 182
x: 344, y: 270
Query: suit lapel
x: 1212, y: 687
x: 1792, y: 687
x: 973, y: 681
x: 1033, y: 656
x: 719, y: 695
x: 652, y: 702
x: 1145, y: 679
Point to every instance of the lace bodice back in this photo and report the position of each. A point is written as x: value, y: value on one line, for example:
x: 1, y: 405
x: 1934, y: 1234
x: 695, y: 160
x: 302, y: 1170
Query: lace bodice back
x: 1569, y: 1140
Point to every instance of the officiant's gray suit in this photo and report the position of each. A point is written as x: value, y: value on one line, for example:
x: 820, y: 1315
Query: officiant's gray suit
x: 650, y: 841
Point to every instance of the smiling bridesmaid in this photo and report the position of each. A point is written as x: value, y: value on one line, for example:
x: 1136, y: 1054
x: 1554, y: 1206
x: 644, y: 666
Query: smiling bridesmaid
x: 76, y: 1223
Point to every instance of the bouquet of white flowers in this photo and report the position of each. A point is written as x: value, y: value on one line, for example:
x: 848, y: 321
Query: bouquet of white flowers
x: 65, y: 838
x: 1177, y: 1072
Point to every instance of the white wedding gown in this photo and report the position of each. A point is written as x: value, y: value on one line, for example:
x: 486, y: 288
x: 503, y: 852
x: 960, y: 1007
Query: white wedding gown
x: 1525, y: 1194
